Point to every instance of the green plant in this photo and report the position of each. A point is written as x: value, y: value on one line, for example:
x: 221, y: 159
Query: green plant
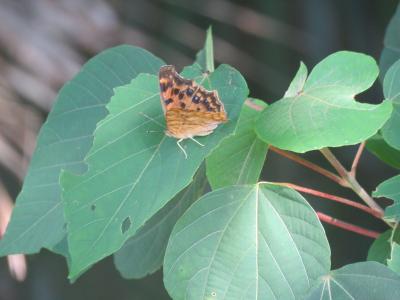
x: 101, y: 182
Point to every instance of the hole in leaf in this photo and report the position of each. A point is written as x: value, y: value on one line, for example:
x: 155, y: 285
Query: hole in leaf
x: 93, y: 207
x: 126, y: 224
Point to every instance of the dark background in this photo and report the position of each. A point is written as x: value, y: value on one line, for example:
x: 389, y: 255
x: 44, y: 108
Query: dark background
x: 43, y: 43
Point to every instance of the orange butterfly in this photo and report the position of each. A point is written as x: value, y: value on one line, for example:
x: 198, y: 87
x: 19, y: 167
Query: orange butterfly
x: 190, y: 110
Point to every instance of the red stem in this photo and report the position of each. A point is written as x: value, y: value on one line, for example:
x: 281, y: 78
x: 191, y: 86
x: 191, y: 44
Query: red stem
x: 357, y: 159
x: 347, y: 226
x: 309, y: 165
x: 342, y: 200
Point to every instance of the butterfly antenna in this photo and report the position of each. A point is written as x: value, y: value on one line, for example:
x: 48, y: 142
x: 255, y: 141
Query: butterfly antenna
x: 180, y: 146
x: 152, y: 119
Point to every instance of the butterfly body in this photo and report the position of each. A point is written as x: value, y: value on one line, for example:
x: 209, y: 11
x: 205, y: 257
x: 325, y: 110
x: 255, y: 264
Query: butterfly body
x: 190, y: 110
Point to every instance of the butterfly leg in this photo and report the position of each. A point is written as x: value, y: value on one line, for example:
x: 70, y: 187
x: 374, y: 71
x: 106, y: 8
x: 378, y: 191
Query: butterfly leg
x: 180, y: 146
x: 196, y: 141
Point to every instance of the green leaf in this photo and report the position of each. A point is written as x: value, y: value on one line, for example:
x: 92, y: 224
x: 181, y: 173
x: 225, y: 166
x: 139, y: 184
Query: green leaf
x: 239, y: 158
x: 383, y: 151
x: 297, y: 84
x: 391, y: 50
x: 364, y: 280
x: 394, y: 261
x: 246, y: 242
x: 324, y: 113
x: 380, y: 248
x: 391, y: 90
x: 133, y: 172
x: 64, y: 140
x: 143, y: 253
x: 205, y: 57
x: 390, y: 189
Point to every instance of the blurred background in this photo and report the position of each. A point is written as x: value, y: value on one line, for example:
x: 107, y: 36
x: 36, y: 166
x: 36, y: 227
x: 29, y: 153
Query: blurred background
x: 43, y: 43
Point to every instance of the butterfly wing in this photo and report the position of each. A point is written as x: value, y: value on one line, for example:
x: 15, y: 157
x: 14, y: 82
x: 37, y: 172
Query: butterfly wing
x: 188, y: 107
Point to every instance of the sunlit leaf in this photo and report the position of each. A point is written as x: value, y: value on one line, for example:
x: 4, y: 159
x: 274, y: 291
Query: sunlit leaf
x: 64, y: 140
x: 134, y: 169
x: 246, y: 242
x: 324, y: 113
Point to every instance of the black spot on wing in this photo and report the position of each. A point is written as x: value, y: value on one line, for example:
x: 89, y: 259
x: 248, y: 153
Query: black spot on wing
x: 196, y: 99
x: 168, y: 101
x: 189, y: 92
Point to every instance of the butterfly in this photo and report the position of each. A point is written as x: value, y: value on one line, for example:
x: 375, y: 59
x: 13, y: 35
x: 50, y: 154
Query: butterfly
x: 190, y: 110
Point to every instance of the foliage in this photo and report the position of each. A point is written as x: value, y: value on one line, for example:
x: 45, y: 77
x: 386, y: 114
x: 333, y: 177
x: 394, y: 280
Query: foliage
x: 105, y: 180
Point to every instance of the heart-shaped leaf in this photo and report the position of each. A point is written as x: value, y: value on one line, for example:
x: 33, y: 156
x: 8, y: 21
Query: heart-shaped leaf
x: 365, y: 280
x: 324, y: 113
x: 246, y: 242
x: 240, y: 157
x: 133, y: 172
x: 63, y: 142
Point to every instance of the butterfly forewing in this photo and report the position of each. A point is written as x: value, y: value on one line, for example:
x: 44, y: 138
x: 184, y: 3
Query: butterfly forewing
x: 189, y: 108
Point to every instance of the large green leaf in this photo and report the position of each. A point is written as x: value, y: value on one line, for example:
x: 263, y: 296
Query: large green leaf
x: 143, y: 253
x: 390, y: 189
x: 133, y: 172
x: 324, y: 113
x: 383, y: 151
x: 246, y: 242
x: 391, y: 50
x: 239, y: 158
x: 364, y: 280
x: 391, y: 89
x: 64, y: 140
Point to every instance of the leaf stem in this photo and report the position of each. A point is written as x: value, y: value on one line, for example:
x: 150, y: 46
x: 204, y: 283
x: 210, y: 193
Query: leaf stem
x: 342, y: 200
x: 357, y: 159
x: 253, y: 105
x: 350, y: 179
x: 347, y: 226
x: 310, y: 165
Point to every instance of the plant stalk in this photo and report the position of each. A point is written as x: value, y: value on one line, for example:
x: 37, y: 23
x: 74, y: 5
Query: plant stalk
x: 335, y: 198
x: 350, y: 179
x: 347, y: 226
